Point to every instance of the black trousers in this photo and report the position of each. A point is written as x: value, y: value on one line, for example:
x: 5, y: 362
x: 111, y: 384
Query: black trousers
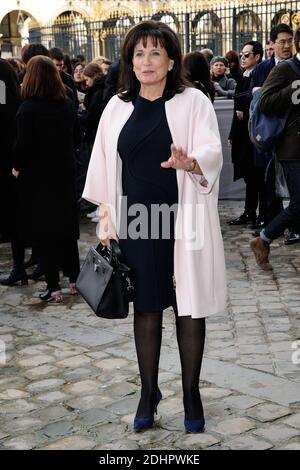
x: 255, y: 193
x: 57, y: 255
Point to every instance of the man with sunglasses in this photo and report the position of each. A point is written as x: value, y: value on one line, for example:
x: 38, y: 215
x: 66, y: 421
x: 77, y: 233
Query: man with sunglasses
x: 242, y: 148
x: 282, y: 38
x: 280, y: 95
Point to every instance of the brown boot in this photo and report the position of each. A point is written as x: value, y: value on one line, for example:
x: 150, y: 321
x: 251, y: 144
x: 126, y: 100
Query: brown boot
x: 261, y: 251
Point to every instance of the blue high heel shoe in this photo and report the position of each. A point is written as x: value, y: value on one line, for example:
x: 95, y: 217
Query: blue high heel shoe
x: 141, y: 424
x: 194, y: 425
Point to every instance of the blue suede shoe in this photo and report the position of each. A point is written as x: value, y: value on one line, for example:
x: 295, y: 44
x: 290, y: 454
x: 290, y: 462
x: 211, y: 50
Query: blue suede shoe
x: 141, y: 424
x: 194, y: 425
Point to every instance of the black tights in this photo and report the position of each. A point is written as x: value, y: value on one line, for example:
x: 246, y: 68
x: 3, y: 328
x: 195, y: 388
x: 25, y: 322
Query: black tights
x: 191, y: 339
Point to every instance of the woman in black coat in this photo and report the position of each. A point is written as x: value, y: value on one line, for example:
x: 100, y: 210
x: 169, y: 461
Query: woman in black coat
x: 44, y: 163
x: 89, y: 119
x: 93, y: 101
x: 10, y: 100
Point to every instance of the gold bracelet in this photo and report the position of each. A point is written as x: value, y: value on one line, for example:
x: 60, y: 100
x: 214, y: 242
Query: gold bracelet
x: 194, y: 162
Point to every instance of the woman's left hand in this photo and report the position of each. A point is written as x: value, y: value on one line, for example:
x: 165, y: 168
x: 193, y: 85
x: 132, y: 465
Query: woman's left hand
x: 180, y: 161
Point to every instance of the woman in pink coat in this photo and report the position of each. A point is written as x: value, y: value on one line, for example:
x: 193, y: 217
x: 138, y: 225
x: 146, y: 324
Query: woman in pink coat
x: 158, y: 151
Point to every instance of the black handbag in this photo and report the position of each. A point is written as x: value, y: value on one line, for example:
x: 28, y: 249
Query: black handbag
x: 104, y: 282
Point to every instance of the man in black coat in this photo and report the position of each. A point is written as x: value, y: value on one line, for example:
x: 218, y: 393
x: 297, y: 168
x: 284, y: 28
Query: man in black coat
x: 280, y: 95
x: 281, y: 37
x: 10, y: 100
x: 57, y: 57
x: 242, y: 148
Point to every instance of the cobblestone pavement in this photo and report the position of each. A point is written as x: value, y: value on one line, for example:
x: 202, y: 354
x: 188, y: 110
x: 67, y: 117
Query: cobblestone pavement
x: 70, y: 380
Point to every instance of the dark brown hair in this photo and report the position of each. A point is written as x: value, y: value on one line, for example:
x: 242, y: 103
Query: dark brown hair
x: 234, y: 58
x: 42, y: 80
x: 168, y: 39
x: 197, y: 72
x: 32, y: 50
x: 93, y: 70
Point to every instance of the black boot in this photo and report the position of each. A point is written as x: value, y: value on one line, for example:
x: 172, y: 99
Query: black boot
x: 243, y: 219
x: 17, y: 275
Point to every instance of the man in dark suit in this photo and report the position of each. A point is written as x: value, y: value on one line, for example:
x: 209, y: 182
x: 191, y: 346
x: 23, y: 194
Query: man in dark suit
x: 282, y: 39
x: 279, y: 95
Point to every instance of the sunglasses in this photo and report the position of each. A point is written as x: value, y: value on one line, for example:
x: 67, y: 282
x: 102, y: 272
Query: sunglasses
x: 246, y: 54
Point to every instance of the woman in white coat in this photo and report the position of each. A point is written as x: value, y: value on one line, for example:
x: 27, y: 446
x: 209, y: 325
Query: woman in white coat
x: 158, y: 145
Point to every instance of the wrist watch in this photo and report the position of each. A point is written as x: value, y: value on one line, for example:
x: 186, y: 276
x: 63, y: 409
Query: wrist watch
x: 193, y: 166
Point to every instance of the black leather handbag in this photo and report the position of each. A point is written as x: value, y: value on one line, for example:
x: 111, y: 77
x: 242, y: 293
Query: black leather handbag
x: 105, y: 282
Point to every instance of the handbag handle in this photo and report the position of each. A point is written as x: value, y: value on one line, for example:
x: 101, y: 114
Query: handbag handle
x: 114, y: 250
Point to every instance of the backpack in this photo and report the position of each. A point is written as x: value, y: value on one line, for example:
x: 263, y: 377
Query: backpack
x: 264, y: 131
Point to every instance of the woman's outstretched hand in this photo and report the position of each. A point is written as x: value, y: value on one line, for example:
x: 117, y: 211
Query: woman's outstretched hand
x: 179, y: 160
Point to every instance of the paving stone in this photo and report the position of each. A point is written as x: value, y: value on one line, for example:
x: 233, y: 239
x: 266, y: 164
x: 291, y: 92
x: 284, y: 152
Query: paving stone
x: 3, y: 435
x: 83, y: 388
x: 277, y: 433
x: 25, y: 442
x: 75, y: 361
x: 88, y: 402
x: 122, y: 407
x: 124, y: 445
x: 291, y: 446
x: 17, y: 407
x: 268, y: 412
x: 58, y: 429
x: 52, y: 413
x: 293, y: 421
x: 212, y: 393
x: 248, y: 443
x: 234, y: 426
x: 80, y: 373
x: 111, y: 364
x: 43, y: 385
x: 171, y: 406
x: 253, y: 349
x: 53, y: 397
x: 22, y: 424
x: 152, y: 435
x: 121, y: 390
x: 71, y: 443
x: 35, y: 361
x: 97, y: 355
x: 93, y: 416
x: 35, y: 350
x: 40, y: 371
x: 242, y: 309
x: 12, y: 394
x: 196, y: 441
x: 241, y: 402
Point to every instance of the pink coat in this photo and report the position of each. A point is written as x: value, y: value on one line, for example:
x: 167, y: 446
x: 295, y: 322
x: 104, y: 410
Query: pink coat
x: 199, y: 265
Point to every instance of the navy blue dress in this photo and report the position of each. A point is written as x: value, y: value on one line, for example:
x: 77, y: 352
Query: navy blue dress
x: 144, y: 143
